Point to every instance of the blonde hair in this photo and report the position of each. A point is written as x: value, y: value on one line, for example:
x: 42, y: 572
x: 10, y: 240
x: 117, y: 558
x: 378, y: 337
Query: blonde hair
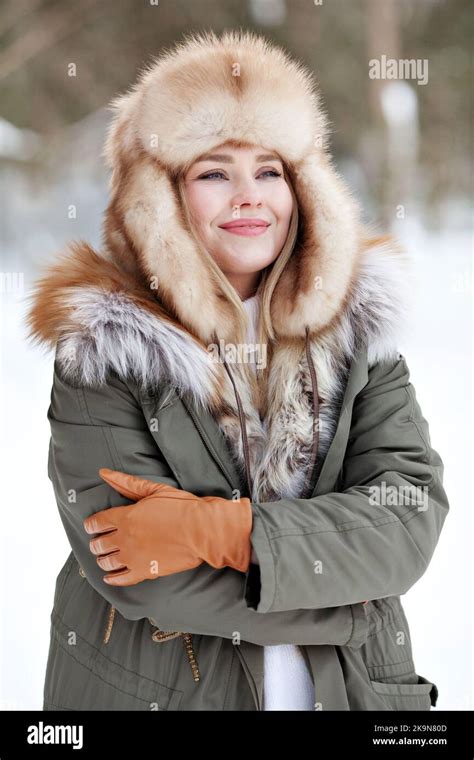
x: 270, y: 274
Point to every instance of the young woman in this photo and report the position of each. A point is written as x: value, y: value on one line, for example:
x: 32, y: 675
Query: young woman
x: 239, y: 459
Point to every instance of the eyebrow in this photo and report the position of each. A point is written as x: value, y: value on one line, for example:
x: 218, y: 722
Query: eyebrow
x: 226, y: 159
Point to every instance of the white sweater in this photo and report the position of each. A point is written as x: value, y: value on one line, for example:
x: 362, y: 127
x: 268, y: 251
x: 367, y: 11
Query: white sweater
x: 287, y: 682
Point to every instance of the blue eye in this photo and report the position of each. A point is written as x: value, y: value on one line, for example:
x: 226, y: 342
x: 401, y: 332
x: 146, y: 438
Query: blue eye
x: 208, y: 176
x: 272, y: 172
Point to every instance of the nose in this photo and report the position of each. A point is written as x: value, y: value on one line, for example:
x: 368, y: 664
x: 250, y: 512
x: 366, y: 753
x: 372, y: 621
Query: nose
x: 249, y: 193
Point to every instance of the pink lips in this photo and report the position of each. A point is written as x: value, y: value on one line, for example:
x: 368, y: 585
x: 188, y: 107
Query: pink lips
x: 248, y: 227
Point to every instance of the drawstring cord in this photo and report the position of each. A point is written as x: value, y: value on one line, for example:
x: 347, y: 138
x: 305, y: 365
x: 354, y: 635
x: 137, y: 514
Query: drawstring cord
x: 308, y: 485
x: 243, y: 429
x: 110, y: 622
x: 159, y: 636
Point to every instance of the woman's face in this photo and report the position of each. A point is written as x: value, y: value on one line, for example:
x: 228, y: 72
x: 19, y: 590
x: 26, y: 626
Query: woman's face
x: 228, y: 192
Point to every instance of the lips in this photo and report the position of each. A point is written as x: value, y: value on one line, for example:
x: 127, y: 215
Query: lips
x: 247, y: 223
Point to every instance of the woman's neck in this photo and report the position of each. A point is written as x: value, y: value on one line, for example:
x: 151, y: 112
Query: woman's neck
x: 246, y: 285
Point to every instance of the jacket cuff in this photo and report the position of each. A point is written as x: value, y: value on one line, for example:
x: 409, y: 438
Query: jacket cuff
x: 260, y: 584
x: 260, y: 581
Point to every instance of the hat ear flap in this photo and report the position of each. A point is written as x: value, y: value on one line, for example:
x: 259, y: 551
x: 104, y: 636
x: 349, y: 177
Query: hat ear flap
x: 145, y: 223
x: 121, y: 145
x: 314, y: 284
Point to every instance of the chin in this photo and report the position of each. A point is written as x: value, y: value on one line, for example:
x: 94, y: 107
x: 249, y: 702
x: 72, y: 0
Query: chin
x: 247, y: 261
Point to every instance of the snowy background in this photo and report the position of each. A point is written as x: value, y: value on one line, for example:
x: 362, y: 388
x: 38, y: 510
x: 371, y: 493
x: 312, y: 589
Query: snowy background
x: 42, y: 174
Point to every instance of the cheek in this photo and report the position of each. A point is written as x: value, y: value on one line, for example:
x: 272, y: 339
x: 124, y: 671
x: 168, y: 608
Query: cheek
x: 204, y: 203
x: 282, y: 203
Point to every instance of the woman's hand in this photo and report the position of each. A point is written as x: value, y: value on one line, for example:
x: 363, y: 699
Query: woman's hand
x: 167, y: 531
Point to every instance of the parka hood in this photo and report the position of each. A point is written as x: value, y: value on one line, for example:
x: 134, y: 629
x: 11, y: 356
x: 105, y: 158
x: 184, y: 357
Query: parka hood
x: 149, y: 296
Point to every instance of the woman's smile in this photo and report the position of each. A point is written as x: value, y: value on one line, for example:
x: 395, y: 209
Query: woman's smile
x: 246, y: 227
x: 247, y: 231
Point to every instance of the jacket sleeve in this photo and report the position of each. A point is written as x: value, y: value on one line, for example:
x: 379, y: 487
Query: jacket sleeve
x: 376, y: 535
x: 105, y: 427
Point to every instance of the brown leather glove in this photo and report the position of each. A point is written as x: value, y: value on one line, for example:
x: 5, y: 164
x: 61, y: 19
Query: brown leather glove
x: 167, y: 531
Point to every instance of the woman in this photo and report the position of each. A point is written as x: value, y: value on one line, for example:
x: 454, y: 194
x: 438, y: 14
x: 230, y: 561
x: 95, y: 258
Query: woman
x: 234, y: 431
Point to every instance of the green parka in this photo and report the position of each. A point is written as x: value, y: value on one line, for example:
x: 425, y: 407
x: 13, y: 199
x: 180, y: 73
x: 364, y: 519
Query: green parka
x: 377, y: 553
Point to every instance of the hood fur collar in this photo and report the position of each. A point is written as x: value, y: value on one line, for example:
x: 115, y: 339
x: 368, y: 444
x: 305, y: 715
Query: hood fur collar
x: 99, y: 319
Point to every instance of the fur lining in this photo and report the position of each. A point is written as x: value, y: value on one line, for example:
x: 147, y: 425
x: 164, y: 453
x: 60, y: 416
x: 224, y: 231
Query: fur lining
x: 377, y: 310
x: 113, y: 334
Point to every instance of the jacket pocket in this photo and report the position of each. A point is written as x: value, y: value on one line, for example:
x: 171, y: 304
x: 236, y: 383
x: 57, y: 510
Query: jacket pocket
x: 421, y: 695
x: 388, y: 659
